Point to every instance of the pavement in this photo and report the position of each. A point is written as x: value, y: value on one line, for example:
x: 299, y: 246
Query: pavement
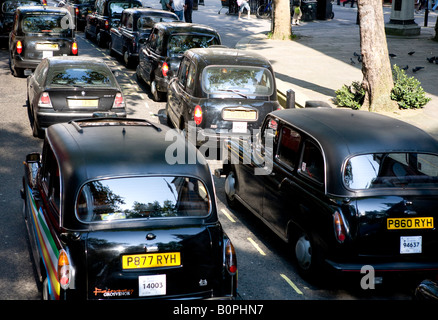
x: 319, y: 60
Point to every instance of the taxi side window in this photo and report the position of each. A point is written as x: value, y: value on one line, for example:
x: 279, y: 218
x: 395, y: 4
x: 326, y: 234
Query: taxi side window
x: 183, y: 72
x: 288, y: 147
x: 51, y: 178
x: 312, y: 162
x: 191, y: 78
x: 152, y: 43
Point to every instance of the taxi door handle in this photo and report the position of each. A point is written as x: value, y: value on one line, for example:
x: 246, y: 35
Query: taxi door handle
x: 285, y: 180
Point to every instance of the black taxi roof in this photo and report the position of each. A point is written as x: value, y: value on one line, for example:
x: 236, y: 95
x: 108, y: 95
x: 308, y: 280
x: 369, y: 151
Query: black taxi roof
x: 221, y: 55
x: 100, y: 148
x: 342, y: 133
x: 182, y: 27
x: 41, y: 9
x: 107, y: 147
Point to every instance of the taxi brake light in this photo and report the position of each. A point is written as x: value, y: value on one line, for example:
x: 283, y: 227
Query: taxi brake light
x: 340, y: 227
x: 230, y: 258
x: 106, y: 24
x: 74, y: 48
x: 165, y: 69
x: 63, y: 270
x: 197, y: 117
x: 19, y: 47
x: 77, y: 11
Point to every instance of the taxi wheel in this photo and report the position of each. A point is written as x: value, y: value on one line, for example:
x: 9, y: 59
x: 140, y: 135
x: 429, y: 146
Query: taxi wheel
x: 307, y: 255
x: 127, y: 59
x: 230, y: 191
x: 158, y: 96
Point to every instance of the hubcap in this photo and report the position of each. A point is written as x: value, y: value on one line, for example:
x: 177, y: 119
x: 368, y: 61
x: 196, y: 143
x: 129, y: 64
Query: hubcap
x: 229, y: 186
x: 303, y: 252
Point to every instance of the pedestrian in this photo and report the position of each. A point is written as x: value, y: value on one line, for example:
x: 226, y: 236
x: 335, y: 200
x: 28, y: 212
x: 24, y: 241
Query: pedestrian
x: 178, y: 7
x: 188, y: 9
x: 435, y: 5
x: 243, y: 4
x: 347, y: 1
x: 166, y: 5
x: 297, y: 15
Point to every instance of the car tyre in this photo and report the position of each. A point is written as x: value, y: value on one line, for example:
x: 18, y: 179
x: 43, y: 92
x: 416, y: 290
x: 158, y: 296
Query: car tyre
x: 308, y: 256
x: 157, y: 96
x: 16, y: 72
x: 230, y: 189
x: 127, y: 59
x: 37, y: 132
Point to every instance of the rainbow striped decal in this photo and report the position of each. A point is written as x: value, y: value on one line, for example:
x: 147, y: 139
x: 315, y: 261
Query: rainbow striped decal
x: 46, y: 246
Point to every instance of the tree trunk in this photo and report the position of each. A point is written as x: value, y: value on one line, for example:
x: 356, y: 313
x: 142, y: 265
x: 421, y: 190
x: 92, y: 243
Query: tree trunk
x: 281, y: 20
x: 376, y: 67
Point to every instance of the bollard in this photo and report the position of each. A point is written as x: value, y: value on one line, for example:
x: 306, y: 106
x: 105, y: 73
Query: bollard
x: 290, y: 99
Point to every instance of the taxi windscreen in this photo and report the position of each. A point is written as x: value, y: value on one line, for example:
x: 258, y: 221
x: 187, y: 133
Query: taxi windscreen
x: 392, y: 170
x: 142, y: 198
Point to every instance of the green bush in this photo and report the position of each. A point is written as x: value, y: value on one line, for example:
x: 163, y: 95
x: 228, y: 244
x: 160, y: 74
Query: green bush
x: 407, y: 91
x: 350, y: 96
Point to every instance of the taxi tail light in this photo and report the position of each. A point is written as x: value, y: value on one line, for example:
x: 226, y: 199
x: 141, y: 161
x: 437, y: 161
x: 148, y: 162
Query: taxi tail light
x: 230, y: 258
x: 165, y: 69
x: 197, y: 115
x: 45, y: 100
x: 106, y: 24
x: 340, y: 227
x: 118, y: 101
x: 19, y: 47
x: 77, y: 11
x: 74, y: 48
x: 63, y: 270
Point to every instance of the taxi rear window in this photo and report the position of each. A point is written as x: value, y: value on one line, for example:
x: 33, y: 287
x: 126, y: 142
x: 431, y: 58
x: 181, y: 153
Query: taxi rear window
x: 244, y: 80
x: 46, y: 23
x: 142, y: 198
x: 392, y: 170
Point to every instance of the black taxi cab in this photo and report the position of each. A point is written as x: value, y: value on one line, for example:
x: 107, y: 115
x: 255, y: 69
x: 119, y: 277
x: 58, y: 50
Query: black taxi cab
x: 109, y: 216
x: 222, y: 92
x: 40, y: 32
x: 107, y: 14
x: 345, y: 188
x: 135, y: 27
x: 160, y: 56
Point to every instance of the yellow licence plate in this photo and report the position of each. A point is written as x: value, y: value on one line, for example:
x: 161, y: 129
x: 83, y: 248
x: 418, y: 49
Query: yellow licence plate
x: 151, y: 260
x: 82, y: 103
x: 248, y: 115
x: 47, y: 46
x: 409, y: 223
